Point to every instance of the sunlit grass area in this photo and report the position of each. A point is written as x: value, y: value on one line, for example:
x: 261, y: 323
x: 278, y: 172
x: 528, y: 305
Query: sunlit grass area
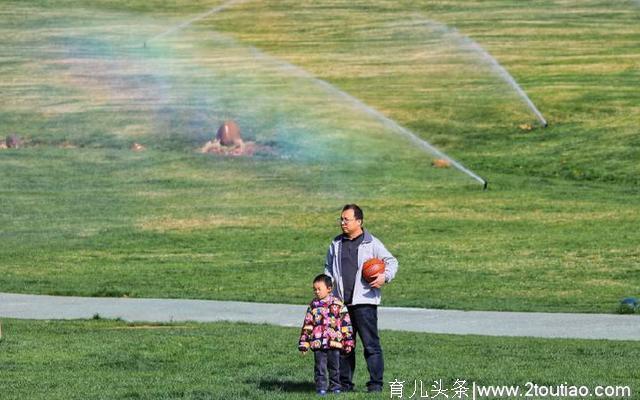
x: 319, y: 86
x: 111, y: 359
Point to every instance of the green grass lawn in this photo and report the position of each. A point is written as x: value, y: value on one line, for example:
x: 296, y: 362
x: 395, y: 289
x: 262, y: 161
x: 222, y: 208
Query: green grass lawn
x: 84, y: 215
x: 115, y: 360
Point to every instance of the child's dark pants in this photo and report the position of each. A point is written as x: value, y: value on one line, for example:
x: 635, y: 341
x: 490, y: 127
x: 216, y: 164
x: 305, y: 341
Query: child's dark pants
x: 327, y: 369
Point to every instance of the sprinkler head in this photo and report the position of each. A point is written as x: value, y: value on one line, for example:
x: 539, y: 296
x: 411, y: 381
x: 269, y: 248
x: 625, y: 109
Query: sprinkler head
x: 486, y: 183
x: 545, y: 124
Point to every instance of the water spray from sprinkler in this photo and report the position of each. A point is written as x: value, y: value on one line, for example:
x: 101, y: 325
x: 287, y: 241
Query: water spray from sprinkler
x: 193, y: 20
x: 495, y: 65
x: 357, y: 103
x: 389, y: 123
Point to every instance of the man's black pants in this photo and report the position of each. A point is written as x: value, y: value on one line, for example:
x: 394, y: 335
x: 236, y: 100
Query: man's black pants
x: 327, y: 369
x: 364, y: 318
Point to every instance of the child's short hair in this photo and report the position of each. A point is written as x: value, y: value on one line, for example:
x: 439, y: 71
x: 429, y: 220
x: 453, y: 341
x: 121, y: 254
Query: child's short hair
x: 324, y: 278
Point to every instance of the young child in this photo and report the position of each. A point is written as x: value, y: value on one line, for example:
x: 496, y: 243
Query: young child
x: 326, y: 331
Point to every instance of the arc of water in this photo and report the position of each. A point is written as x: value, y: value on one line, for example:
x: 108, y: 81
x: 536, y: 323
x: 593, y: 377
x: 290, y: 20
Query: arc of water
x: 509, y: 79
x: 359, y: 104
x: 386, y: 121
x: 394, y: 126
x: 493, y: 63
x: 197, y: 18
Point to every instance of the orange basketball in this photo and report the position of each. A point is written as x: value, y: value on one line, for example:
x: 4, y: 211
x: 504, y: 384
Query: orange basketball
x: 371, y: 268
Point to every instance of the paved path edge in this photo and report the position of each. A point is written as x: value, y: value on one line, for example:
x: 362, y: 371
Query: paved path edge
x: 489, y: 323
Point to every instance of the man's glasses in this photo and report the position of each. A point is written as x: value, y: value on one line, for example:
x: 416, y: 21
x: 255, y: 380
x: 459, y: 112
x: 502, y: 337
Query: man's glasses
x: 344, y: 220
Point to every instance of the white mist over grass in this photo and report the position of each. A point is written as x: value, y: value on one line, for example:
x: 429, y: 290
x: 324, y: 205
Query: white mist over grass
x: 295, y: 71
x: 283, y: 103
x: 177, y: 91
x: 221, y: 80
x: 361, y: 108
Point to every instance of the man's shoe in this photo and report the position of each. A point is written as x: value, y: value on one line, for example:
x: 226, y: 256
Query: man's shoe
x: 336, y: 391
x: 321, y: 392
x: 346, y: 389
x: 374, y: 389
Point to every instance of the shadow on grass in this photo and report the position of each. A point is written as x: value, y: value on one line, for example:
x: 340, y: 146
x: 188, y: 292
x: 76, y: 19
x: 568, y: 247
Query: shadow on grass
x: 273, y: 385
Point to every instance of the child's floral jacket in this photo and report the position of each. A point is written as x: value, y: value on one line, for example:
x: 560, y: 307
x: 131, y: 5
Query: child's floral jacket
x: 327, y: 326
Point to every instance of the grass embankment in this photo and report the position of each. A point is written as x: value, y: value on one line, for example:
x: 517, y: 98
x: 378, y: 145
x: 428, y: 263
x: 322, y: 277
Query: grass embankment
x: 83, y: 215
x: 116, y: 360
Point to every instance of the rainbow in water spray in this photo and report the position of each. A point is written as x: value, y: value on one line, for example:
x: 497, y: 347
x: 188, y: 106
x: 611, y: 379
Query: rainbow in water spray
x: 377, y: 115
x: 300, y: 72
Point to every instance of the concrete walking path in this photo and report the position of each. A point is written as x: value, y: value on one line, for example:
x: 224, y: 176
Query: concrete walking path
x: 491, y: 323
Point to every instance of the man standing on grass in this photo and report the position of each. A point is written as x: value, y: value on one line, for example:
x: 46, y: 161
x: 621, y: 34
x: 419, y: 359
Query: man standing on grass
x: 347, y: 252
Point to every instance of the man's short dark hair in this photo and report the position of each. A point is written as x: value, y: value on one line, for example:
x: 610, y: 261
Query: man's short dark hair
x: 324, y: 278
x: 357, y: 211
